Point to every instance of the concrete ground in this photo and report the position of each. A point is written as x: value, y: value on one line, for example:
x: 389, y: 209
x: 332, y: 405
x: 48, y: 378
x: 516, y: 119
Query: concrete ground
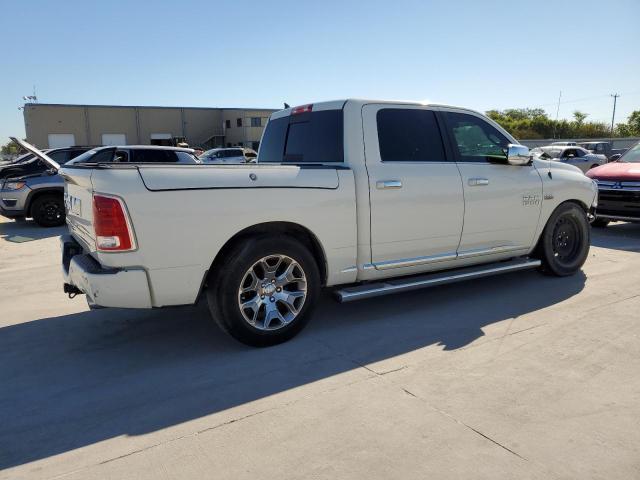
x: 519, y: 376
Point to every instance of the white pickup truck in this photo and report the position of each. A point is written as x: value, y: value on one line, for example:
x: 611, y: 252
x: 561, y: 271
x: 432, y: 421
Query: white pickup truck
x: 368, y: 197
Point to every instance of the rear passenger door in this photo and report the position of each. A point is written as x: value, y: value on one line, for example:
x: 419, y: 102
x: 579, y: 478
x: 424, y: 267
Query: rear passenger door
x: 415, y: 191
x: 502, y: 201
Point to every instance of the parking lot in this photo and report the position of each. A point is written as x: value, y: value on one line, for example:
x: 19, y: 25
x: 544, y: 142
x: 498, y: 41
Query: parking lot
x: 520, y: 376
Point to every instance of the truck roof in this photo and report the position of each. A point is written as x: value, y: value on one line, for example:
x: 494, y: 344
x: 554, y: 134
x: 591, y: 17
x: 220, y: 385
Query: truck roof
x: 337, y: 104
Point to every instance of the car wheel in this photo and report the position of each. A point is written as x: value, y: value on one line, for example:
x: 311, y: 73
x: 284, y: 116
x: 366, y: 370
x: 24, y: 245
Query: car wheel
x: 564, y: 244
x: 264, y: 291
x: 48, y: 210
x: 600, y: 223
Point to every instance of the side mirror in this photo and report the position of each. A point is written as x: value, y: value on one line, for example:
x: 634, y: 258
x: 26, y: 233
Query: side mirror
x: 615, y: 157
x: 518, y: 155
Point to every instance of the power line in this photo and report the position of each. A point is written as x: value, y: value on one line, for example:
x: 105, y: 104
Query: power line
x: 584, y: 99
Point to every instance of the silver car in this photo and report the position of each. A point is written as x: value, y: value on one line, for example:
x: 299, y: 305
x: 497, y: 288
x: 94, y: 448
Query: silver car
x: 576, y: 156
x: 229, y: 155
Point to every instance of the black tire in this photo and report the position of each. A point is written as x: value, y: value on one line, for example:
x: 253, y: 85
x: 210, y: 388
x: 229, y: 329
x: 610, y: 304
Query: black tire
x: 564, y: 244
x: 600, y: 223
x: 48, y: 210
x: 223, y: 287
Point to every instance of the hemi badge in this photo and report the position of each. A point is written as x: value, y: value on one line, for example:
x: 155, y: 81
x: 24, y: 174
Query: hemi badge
x: 548, y: 196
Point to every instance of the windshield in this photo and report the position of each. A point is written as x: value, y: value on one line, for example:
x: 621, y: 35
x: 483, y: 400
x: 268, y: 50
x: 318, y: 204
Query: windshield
x: 550, y: 152
x: 632, y: 155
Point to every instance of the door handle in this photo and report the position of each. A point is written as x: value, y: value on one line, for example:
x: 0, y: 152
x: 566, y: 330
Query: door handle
x: 388, y: 184
x: 478, y: 182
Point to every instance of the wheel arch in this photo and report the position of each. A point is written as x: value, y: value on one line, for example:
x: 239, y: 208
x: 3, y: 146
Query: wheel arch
x: 574, y: 201
x: 294, y: 230
x: 37, y: 193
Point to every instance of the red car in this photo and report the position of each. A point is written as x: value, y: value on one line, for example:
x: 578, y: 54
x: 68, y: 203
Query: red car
x: 618, y: 189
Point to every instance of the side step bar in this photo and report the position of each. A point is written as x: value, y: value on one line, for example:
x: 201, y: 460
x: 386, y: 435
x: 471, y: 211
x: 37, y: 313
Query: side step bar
x: 395, y: 285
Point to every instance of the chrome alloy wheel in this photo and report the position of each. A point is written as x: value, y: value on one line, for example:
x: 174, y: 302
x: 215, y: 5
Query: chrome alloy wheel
x: 272, y: 292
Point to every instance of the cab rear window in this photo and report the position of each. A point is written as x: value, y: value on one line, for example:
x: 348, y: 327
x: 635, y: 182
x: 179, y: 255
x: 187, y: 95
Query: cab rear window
x: 311, y: 137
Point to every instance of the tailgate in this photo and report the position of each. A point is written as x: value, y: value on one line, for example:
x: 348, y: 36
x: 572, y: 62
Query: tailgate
x: 78, y: 201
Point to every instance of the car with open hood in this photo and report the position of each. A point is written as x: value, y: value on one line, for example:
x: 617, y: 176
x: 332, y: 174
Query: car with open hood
x: 33, y: 188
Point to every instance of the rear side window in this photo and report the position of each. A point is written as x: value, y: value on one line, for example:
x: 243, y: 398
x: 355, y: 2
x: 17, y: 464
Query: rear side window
x: 409, y: 135
x: 61, y: 156
x: 311, y: 137
x: 154, y: 156
x: 232, y: 153
x: 102, y: 156
x: 474, y: 139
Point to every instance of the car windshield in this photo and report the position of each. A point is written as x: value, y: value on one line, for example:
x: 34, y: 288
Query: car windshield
x: 632, y: 155
x: 209, y: 153
x: 550, y: 152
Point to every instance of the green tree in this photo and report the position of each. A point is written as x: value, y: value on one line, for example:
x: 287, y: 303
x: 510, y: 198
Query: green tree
x: 580, y: 117
x: 10, y: 148
x: 631, y: 128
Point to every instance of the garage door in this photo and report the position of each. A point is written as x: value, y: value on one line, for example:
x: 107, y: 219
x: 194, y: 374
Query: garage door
x: 61, y: 140
x: 114, y: 139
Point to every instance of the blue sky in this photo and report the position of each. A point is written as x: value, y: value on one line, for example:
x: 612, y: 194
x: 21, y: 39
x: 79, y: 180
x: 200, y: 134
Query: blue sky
x: 480, y: 54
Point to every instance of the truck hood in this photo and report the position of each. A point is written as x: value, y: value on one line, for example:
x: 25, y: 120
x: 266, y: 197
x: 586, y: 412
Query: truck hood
x: 42, y: 156
x: 618, y: 171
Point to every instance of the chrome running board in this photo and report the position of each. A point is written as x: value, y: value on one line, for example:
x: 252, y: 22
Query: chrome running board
x: 395, y: 285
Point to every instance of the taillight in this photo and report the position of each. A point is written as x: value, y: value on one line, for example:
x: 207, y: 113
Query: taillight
x: 112, y: 230
x: 302, y: 109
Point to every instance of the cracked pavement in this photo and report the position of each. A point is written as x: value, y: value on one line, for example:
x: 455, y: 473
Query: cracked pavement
x: 519, y: 376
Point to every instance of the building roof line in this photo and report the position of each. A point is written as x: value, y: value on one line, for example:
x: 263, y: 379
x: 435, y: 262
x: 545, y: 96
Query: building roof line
x: 142, y: 106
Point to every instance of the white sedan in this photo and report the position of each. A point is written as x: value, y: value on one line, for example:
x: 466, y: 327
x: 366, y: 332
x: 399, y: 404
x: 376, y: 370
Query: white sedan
x: 576, y: 156
x: 229, y: 155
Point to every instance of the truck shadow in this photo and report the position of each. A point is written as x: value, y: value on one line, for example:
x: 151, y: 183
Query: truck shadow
x: 617, y: 236
x: 20, y: 231
x: 75, y: 380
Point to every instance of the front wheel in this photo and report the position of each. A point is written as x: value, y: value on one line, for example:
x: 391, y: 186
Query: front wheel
x: 564, y: 244
x: 48, y: 210
x: 264, y: 291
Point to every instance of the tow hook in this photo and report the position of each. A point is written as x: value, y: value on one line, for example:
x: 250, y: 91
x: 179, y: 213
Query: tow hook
x: 71, y: 290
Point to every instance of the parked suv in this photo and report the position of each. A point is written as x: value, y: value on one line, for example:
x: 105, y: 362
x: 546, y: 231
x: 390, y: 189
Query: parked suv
x: 603, y: 148
x: 619, y: 189
x: 30, y: 187
x: 34, y: 188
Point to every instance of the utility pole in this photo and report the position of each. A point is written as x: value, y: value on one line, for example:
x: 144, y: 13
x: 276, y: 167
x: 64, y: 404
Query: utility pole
x: 613, y: 117
x: 555, y: 125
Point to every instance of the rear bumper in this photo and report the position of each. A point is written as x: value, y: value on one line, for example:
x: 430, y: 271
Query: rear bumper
x: 104, y: 287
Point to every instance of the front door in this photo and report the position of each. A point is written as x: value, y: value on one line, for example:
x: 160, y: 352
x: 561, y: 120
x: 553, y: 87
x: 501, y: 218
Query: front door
x: 416, y: 196
x: 502, y: 202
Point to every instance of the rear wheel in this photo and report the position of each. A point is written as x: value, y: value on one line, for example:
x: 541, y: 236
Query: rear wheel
x: 264, y: 291
x: 48, y: 210
x: 564, y: 243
